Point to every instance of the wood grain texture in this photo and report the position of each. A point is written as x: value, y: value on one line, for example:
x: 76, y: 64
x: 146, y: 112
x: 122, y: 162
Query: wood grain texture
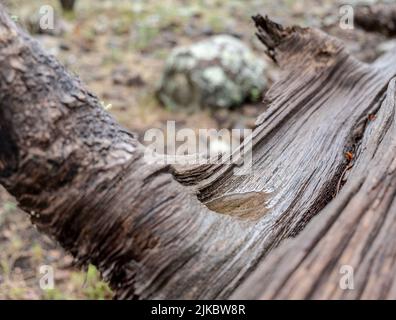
x: 157, y: 231
x: 357, y: 228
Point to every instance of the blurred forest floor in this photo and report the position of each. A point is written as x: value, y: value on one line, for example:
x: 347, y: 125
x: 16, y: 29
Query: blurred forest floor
x: 108, y: 40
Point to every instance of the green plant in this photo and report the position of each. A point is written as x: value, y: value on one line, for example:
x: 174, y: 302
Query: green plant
x: 95, y: 288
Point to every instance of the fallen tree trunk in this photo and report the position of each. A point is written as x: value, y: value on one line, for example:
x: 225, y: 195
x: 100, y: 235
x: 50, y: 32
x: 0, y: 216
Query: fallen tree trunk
x: 156, y: 231
x: 379, y: 17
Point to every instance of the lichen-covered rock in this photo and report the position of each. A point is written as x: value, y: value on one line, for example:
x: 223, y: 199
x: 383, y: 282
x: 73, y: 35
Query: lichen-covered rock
x: 219, y: 72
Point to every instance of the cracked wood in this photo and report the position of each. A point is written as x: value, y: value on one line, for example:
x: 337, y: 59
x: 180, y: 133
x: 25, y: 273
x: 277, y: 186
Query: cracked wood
x: 158, y: 231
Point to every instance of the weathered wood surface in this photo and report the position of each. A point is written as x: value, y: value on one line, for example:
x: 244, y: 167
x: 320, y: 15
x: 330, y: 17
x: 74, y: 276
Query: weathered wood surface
x: 149, y: 228
x: 357, y: 228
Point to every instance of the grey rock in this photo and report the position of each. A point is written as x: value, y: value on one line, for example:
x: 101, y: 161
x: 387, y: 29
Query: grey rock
x: 220, y: 72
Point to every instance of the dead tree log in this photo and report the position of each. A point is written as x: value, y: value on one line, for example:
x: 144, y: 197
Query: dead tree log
x: 357, y: 227
x: 155, y: 231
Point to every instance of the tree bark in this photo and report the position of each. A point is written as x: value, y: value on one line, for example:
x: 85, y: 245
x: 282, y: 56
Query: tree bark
x: 157, y: 231
x: 356, y: 231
